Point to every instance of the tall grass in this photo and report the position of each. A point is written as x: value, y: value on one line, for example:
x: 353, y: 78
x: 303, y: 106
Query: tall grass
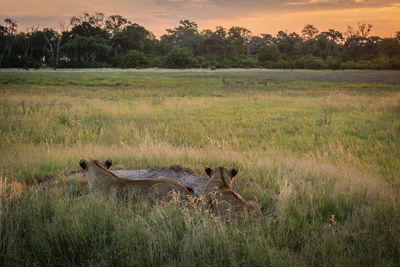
x: 362, y: 129
x: 321, y: 159
x: 326, y: 216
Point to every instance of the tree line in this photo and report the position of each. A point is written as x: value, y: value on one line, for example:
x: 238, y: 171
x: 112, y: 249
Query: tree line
x: 96, y: 40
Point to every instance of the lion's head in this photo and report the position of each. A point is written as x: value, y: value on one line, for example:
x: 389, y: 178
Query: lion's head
x: 222, y: 175
x: 105, y: 164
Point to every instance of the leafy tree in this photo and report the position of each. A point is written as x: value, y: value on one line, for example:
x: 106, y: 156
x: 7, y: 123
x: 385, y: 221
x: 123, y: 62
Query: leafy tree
x: 136, y: 37
x: 389, y: 47
x: 114, y: 25
x: 254, y: 45
x: 127, y: 36
x: 267, y: 38
x: 357, y: 44
x: 88, y: 40
x: 179, y: 57
x: 134, y: 59
x: 54, y: 40
x: 87, y: 49
x: 309, y: 31
x: 24, y: 40
x: 36, y: 47
x: 331, y: 41
x: 239, y: 37
x: 216, y: 43
x: 96, y: 20
x: 185, y: 35
x: 364, y: 29
x: 8, y: 37
x: 116, y: 22
x: 268, y: 53
x: 289, y: 44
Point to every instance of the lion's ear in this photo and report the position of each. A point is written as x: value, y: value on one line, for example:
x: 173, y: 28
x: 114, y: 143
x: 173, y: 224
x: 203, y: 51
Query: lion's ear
x: 234, y: 171
x: 83, y: 163
x: 208, y: 171
x: 108, y: 163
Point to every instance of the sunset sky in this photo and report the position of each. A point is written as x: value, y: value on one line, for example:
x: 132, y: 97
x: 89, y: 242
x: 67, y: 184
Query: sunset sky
x: 259, y: 16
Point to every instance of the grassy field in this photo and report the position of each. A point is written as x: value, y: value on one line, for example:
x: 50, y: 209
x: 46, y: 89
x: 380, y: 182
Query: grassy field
x: 319, y: 150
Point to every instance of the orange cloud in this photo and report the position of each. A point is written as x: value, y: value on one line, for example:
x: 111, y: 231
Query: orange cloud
x: 385, y: 21
x: 260, y: 16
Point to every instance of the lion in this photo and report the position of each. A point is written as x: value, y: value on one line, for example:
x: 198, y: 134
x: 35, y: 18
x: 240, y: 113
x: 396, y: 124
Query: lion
x: 220, y: 196
x: 105, y: 164
x: 100, y: 179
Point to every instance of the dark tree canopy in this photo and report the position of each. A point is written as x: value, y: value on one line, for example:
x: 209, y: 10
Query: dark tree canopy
x: 97, y: 40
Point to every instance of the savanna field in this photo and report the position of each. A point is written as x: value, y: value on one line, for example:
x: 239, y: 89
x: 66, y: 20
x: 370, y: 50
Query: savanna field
x: 318, y: 150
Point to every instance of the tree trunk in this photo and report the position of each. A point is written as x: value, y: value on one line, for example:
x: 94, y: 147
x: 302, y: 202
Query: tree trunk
x: 51, y: 49
x: 58, y: 50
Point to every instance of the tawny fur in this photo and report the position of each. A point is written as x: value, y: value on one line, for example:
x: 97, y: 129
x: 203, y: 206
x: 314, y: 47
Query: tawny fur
x: 220, y: 196
x: 102, y: 180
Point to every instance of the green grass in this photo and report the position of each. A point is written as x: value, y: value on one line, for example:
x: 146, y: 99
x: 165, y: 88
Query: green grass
x: 320, y: 152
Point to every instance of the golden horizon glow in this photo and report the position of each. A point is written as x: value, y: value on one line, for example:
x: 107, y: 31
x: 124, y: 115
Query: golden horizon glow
x: 258, y: 16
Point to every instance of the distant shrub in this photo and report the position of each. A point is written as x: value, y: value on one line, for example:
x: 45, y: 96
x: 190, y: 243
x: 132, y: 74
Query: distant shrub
x: 224, y: 63
x: 309, y: 62
x: 381, y: 63
x: 348, y: 65
x: 102, y: 65
x: 395, y: 63
x: 83, y: 64
x: 14, y: 61
x: 283, y: 64
x: 11, y: 61
x: 248, y: 62
x: 364, y: 64
x: 29, y: 63
x: 134, y: 59
x: 155, y: 61
x: 267, y: 64
x: 202, y: 62
x: 268, y: 53
x: 332, y: 63
x: 232, y: 60
x: 180, y: 58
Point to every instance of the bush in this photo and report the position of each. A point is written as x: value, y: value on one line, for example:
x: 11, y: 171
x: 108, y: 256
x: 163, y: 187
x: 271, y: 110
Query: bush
x: 381, y: 63
x: 202, y: 61
x: 84, y: 64
x: 14, y: 61
x: 233, y: 59
x: 248, y: 62
x: 134, y: 59
x: 225, y: 62
x: 155, y: 61
x: 283, y: 64
x: 180, y: 58
x: 268, y: 53
x: 348, y: 65
x: 364, y: 64
x: 267, y: 64
x: 395, y: 63
x: 333, y: 63
x: 309, y: 62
